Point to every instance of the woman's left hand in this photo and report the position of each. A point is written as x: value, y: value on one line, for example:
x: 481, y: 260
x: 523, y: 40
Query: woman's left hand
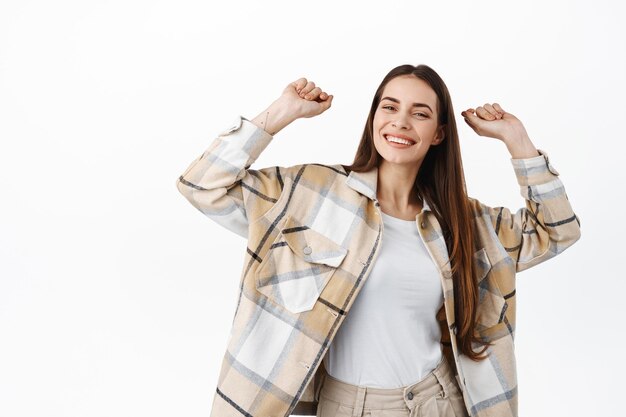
x: 492, y: 121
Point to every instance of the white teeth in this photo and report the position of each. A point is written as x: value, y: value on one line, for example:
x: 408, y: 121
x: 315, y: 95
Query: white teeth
x: 398, y: 140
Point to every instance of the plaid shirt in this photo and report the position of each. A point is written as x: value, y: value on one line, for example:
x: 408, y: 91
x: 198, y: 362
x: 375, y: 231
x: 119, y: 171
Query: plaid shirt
x: 313, y: 233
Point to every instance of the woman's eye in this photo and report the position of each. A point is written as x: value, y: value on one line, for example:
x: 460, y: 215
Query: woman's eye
x: 416, y: 114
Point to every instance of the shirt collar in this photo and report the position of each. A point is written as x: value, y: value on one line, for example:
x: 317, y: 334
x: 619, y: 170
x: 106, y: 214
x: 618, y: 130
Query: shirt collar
x: 366, y: 183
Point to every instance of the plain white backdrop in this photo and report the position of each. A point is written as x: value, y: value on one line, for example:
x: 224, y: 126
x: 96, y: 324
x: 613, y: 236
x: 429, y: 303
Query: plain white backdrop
x: 116, y: 295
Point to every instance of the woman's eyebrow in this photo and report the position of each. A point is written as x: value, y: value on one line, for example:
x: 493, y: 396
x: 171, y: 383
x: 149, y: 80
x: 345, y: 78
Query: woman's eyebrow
x: 395, y: 100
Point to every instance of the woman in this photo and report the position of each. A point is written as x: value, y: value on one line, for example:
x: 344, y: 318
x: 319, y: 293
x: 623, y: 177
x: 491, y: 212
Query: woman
x: 437, y: 285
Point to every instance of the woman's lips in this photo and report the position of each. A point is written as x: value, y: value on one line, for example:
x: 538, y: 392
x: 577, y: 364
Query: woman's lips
x: 396, y: 144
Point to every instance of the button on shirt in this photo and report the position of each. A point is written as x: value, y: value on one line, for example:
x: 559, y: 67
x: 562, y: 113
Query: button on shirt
x: 390, y: 337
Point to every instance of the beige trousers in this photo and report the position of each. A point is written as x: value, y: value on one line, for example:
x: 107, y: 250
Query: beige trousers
x: 436, y: 395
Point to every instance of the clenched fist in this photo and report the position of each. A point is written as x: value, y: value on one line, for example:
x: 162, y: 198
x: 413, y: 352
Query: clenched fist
x: 305, y: 99
x: 301, y: 98
x: 492, y: 121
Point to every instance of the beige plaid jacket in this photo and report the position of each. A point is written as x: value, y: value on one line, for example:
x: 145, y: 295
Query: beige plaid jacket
x: 313, y: 233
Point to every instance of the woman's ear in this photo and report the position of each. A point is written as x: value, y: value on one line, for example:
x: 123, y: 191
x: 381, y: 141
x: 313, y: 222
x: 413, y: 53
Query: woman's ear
x: 441, y: 133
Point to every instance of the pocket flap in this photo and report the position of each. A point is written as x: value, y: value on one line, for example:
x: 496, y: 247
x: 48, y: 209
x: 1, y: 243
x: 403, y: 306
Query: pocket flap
x: 311, y: 245
x: 298, y: 265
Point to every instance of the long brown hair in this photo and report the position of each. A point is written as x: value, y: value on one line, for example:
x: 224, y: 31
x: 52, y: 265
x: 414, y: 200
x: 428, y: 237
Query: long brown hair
x: 441, y: 182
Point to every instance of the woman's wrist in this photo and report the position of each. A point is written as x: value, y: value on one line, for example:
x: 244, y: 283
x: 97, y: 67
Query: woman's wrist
x: 519, y: 144
x: 521, y: 147
x: 273, y: 119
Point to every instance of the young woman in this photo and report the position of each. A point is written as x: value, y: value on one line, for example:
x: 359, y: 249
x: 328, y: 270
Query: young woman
x: 435, y: 287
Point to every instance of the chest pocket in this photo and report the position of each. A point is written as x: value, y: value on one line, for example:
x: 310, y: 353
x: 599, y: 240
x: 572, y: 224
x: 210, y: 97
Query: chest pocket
x: 492, y: 304
x: 298, y: 266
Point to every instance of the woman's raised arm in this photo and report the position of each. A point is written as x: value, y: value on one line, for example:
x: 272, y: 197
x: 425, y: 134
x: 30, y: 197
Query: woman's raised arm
x: 220, y: 182
x: 547, y: 225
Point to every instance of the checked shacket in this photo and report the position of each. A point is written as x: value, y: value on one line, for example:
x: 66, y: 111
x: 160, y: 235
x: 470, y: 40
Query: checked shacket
x: 313, y: 234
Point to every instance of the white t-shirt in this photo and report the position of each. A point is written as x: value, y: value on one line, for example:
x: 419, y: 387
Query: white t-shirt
x: 390, y: 337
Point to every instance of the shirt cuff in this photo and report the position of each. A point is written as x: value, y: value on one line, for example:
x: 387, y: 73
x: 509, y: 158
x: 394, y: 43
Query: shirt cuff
x: 247, y: 137
x: 534, y: 170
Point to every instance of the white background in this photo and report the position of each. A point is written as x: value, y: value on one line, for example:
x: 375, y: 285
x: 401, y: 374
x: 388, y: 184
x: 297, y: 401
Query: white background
x: 116, y: 295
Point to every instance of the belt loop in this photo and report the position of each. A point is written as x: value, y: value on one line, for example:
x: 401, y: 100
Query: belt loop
x: 359, y: 402
x: 439, y: 375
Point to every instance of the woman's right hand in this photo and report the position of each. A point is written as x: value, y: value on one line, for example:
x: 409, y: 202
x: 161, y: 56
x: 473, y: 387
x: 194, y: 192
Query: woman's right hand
x: 293, y: 104
x: 305, y: 99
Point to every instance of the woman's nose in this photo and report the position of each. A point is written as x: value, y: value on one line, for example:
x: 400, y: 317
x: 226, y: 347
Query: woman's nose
x: 399, y: 123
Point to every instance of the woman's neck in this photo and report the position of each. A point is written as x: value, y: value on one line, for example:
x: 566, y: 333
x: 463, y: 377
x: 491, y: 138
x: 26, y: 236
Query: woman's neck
x: 396, y: 190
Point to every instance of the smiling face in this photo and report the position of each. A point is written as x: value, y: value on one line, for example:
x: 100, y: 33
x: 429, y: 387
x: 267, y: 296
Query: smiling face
x: 407, y: 109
